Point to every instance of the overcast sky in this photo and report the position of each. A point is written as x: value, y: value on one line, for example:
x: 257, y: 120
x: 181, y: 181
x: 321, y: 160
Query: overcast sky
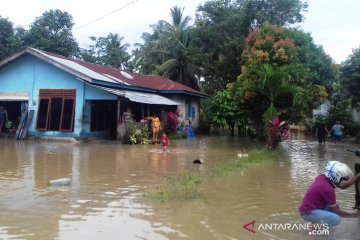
x: 334, y: 24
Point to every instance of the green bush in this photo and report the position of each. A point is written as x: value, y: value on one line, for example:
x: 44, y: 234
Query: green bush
x: 135, y: 134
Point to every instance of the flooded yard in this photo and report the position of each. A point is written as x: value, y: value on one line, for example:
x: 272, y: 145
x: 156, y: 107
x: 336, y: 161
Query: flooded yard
x: 108, y: 181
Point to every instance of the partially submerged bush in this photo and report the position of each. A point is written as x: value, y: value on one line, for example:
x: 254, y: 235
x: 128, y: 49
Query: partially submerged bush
x: 136, y: 133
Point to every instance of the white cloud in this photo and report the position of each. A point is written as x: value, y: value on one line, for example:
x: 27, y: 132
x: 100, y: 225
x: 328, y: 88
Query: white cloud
x: 333, y: 24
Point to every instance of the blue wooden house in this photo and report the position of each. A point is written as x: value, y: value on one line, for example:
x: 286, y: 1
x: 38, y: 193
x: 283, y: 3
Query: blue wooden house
x: 73, y: 98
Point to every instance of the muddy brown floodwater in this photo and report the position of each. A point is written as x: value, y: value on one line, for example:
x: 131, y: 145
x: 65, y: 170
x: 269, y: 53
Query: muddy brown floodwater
x: 108, y: 180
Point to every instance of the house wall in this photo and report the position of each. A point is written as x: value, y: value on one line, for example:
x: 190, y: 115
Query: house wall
x: 29, y: 74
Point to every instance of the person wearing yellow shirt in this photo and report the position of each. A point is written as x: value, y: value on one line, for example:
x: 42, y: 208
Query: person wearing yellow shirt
x: 155, y: 127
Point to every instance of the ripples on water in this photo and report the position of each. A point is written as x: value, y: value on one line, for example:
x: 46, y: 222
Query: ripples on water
x: 108, y: 181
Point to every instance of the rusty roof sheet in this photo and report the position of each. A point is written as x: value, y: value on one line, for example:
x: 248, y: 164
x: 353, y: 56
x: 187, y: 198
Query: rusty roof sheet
x: 115, y: 75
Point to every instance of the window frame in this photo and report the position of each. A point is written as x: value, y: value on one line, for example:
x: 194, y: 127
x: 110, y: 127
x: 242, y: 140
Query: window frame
x: 47, y: 114
x: 190, y: 110
x: 64, y: 94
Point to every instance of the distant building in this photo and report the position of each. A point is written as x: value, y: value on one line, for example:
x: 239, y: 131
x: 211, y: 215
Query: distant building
x: 322, y: 110
x: 73, y: 98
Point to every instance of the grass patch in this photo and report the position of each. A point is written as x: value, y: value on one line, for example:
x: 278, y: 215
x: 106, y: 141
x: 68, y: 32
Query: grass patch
x: 255, y: 156
x: 158, y: 195
x: 184, y: 185
x: 261, y: 155
x: 187, y: 185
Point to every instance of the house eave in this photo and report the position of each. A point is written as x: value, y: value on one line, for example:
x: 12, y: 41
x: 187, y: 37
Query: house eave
x: 59, y: 65
x: 34, y: 53
x: 123, y: 86
x: 201, y: 95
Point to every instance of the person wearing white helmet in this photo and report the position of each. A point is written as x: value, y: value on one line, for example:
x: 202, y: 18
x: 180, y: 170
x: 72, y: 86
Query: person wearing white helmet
x: 319, y: 203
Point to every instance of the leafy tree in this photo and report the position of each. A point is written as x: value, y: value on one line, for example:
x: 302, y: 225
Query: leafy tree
x: 52, y: 32
x: 276, y: 77
x: 19, y: 40
x: 313, y: 71
x: 340, y: 110
x: 273, y: 46
x: 220, y: 30
x: 167, y: 50
x: 224, y: 111
x: 218, y: 42
x: 12, y: 39
x: 265, y: 73
x: 6, y: 34
x: 276, y: 12
x: 108, y: 51
x: 312, y: 64
x: 350, y: 73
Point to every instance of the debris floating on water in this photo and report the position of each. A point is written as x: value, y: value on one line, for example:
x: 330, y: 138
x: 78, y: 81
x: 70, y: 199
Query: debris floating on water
x: 243, y: 155
x: 198, y: 161
x: 60, y: 182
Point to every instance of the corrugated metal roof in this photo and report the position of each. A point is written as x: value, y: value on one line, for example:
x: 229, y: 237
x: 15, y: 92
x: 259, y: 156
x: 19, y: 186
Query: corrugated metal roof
x: 91, y: 72
x: 77, y: 67
x: 148, y: 98
x: 146, y: 81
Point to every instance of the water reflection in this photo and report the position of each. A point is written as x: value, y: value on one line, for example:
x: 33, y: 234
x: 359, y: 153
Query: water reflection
x: 108, y: 181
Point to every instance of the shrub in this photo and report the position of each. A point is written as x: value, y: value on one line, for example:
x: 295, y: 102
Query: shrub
x: 135, y: 134
x: 172, y: 121
x: 276, y: 132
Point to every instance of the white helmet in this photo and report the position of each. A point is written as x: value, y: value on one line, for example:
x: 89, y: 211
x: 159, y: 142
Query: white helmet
x: 336, y: 172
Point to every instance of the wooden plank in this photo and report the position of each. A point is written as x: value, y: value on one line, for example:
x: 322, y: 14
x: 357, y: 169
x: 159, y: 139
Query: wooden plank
x: 21, y: 124
x: 24, y: 132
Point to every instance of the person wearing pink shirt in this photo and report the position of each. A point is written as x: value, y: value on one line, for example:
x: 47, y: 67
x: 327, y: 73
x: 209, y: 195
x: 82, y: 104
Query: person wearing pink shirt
x: 319, y: 203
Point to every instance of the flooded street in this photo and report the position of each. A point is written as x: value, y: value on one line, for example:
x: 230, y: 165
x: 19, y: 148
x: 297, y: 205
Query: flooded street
x: 109, y: 179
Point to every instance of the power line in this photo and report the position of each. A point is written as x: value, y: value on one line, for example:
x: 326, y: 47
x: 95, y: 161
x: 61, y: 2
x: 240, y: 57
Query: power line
x: 126, y: 5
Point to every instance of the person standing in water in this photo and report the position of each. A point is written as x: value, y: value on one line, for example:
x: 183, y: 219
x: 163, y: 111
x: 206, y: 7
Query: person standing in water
x: 3, y: 117
x: 321, y: 132
x: 337, y: 131
x: 155, y: 127
x: 164, y: 142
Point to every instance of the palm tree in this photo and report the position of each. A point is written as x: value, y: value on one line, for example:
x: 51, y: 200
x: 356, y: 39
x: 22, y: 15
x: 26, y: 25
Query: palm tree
x: 173, y: 49
x: 273, y: 85
x: 113, y: 52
